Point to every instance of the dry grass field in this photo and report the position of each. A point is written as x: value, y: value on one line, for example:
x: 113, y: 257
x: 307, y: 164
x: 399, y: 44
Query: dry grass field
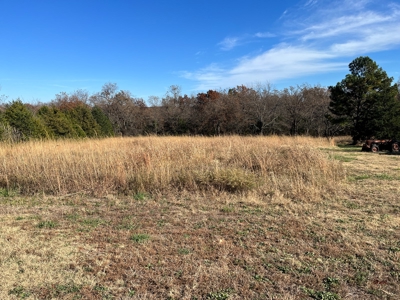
x: 198, y: 218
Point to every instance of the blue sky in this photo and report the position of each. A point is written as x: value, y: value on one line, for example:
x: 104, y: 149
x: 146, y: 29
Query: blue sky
x: 53, y: 46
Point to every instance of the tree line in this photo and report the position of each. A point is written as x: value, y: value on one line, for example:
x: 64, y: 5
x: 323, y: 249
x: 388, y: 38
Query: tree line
x: 68, y: 116
x: 241, y: 110
x: 364, y: 104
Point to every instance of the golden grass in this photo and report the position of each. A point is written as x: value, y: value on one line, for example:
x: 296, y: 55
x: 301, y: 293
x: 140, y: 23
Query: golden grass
x: 300, y: 219
x: 29, y: 254
x: 159, y: 164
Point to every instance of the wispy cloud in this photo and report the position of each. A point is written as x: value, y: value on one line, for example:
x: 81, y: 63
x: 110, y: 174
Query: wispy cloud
x: 331, y: 33
x: 360, y: 24
x: 379, y: 39
x: 264, y: 35
x: 281, y: 62
x: 229, y: 43
x: 283, y: 15
x: 310, y: 3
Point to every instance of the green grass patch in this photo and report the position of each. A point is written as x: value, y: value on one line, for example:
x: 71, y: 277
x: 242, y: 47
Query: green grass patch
x: 127, y: 225
x: 47, y: 224
x: 20, y: 292
x: 72, y: 217
x: 92, y: 222
x: 349, y: 148
x: 359, y: 177
x: 342, y: 148
x: 228, y: 209
x: 351, y: 205
x: 384, y: 177
x: 140, y: 196
x: 140, y: 237
x: 321, y: 295
x: 5, y: 192
x: 251, y: 210
x: 59, y: 290
x: 394, y: 249
x: 184, y: 251
x: 343, y: 158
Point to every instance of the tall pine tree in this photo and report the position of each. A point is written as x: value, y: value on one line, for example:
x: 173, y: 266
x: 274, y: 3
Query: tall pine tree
x: 365, y: 102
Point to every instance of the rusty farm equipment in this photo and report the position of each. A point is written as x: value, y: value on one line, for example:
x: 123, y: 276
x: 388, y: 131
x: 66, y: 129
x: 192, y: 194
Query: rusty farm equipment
x: 381, y: 145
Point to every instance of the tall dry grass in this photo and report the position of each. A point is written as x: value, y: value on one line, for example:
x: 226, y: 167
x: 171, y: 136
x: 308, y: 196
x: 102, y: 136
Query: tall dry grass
x: 291, y: 166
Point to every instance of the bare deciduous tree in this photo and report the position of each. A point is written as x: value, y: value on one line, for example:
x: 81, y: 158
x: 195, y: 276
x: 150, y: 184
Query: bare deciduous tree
x: 262, y: 107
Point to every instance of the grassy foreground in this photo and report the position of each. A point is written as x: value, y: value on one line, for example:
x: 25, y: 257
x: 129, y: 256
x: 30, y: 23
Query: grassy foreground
x: 198, y: 218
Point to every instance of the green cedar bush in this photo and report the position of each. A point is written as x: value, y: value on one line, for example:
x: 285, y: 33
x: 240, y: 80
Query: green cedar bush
x: 103, y: 121
x: 21, y: 118
x: 58, y: 124
x: 82, y: 117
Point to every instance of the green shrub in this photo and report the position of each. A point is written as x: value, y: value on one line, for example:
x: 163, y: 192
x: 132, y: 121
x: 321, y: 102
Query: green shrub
x: 57, y: 123
x: 103, y: 121
x: 20, y: 117
x: 82, y: 117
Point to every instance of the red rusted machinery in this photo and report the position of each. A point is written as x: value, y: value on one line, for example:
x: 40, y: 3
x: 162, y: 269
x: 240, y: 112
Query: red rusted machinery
x: 378, y: 145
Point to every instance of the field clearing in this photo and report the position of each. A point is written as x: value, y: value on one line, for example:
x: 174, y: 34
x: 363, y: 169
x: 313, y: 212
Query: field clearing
x: 198, y: 218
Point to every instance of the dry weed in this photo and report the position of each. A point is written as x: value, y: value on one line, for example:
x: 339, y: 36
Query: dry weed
x: 301, y: 229
x: 152, y: 164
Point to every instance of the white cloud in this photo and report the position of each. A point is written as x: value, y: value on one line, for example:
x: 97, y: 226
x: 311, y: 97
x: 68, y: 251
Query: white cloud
x: 283, y: 14
x: 311, y: 2
x: 280, y: 56
x: 332, y: 34
x: 356, y: 4
x: 358, y: 24
x: 264, y: 35
x: 379, y: 39
x: 229, y: 43
x: 278, y: 63
x: 209, y: 73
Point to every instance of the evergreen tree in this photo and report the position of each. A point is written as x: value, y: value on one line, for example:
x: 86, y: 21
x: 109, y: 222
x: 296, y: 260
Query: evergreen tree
x: 57, y: 122
x: 103, y: 121
x: 366, y: 102
x: 82, y: 117
x: 21, y: 118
